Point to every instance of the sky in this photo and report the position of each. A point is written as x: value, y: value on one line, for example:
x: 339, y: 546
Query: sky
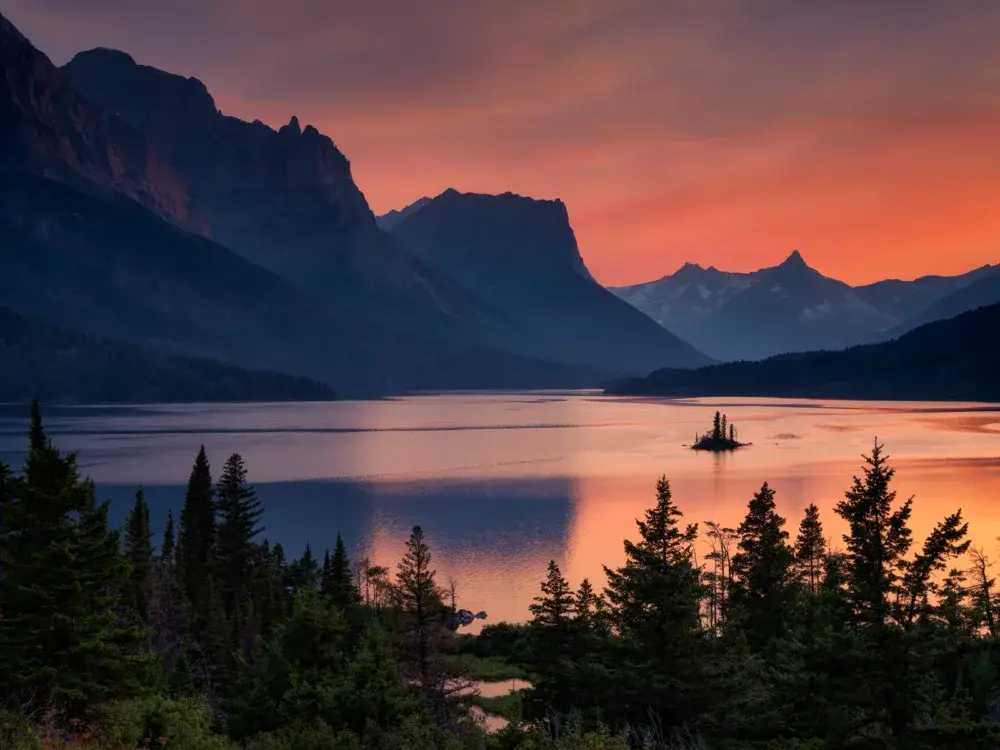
x: 864, y: 133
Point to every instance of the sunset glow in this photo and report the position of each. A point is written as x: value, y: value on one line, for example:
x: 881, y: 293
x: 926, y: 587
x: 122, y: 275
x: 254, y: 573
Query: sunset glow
x: 866, y: 135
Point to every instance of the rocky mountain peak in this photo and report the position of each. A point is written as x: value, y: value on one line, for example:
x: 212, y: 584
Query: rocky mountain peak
x: 795, y: 260
x: 50, y: 130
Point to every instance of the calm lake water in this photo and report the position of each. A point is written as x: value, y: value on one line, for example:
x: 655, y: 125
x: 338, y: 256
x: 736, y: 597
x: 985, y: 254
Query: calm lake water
x: 503, y: 483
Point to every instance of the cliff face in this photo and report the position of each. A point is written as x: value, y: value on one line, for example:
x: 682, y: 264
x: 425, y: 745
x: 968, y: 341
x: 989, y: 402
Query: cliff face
x: 48, y: 129
x: 284, y: 198
x: 520, y: 255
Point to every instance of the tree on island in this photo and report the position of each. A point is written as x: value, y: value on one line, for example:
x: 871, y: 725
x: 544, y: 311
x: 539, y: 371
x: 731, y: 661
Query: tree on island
x: 723, y: 436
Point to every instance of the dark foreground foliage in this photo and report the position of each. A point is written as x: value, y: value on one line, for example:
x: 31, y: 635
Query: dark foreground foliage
x: 215, y: 640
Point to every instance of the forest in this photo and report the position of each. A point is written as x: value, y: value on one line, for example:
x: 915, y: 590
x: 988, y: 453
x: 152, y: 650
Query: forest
x: 211, y: 638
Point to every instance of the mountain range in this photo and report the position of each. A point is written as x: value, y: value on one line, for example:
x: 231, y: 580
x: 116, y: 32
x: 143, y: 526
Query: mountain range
x: 793, y: 307
x: 948, y: 360
x: 132, y: 209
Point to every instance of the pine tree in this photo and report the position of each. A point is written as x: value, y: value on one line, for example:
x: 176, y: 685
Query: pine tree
x: 340, y: 585
x: 946, y: 542
x: 762, y: 569
x: 732, y: 432
x: 168, y: 548
x: 878, y: 541
x: 655, y: 605
x: 553, y: 610
x: 723, y: 431
x: 197, y: 539
x: 810, y: 549
x: 37, y: 439
x: 655, y: 597
x: 589, y: 609
x: 139, y: 553
x: 717, y: 426
x: 422, y: 615
x: 61, y: 645
x: 239, y: 512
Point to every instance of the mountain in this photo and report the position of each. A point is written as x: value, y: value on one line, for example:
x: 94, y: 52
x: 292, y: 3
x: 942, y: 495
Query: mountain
x: 785, y: 308
x: 983, y: 290
x: 909, y: 301
x: 284, y: 199
x: 98, y: 229
x: 388, y: 220
x: 56, y: 365
x: 520, y: 256
x: 948, y: 360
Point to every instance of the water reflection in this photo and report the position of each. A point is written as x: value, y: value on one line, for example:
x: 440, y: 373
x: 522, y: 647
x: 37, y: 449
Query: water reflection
x: 503, y: 483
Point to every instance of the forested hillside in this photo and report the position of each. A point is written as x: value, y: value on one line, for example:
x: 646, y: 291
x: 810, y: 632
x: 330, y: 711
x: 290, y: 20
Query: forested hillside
x: 52, y: 363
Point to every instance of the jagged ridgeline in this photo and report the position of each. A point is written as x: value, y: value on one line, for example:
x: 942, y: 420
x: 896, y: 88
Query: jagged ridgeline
x: 722, y: 437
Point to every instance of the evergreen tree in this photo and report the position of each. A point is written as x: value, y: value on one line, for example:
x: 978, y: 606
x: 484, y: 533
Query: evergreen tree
x: 139, y: 553
x: 553, y: 610
x: 589, y: 610
x: 340, y: 586
x: 723, y: 431
x: 197, y: 539
x: 655, y: 606
x: 878, y: 541
x: 61, y: 644
x: 239, y: 512
x: 947, y: 541
x: 36, y: 433
x: 762, y: 569
x: 168, y: 548
x: 732, y: 432
x: 810, y: 549
x: 422, y: 615
x: 717, y: 426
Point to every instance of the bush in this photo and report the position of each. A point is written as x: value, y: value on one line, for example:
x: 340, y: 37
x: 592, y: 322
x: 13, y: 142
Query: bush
x: 184, y: 724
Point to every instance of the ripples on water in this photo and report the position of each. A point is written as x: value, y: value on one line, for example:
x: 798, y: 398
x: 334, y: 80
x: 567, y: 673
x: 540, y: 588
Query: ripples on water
x: 504, y: 482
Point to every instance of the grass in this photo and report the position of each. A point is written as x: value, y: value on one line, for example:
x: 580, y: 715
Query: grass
x: 508, y: 706
x: 488, y: 669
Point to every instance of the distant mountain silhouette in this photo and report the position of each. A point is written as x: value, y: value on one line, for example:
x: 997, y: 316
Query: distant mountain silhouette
x: 948, y: 360
x: 520, y: 256
x: 984, y: 290
x: 287, y: 201
x: 56, y: 365
x: 99, y: 232
x: 785, y: 308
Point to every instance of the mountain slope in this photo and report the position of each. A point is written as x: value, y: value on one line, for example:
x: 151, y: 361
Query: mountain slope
x: 789, y: 307
x: 984, y: 290
x: 57, y: 365
x: 100, y: 247
x: 955, y: 359
x: 521, y: 257
x: 285, y: 199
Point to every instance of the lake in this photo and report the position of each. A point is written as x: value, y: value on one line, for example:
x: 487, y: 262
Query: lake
x: 502, y: 483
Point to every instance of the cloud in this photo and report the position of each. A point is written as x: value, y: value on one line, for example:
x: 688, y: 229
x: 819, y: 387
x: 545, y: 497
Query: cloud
x: 721, y: 131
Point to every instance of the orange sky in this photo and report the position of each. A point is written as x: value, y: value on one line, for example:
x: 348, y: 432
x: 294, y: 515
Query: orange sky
x: 725, y: 132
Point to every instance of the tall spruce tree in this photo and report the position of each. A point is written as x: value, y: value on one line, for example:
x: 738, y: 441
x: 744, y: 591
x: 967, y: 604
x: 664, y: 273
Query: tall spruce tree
x: 421, y: 615
x: 763, y: 572
x: 655, y: 605
x: 239, y: 512
x: 61, y: 644
x: 339, y: 585
x: 197, y: 539
x: 553, y: 610
x: 879, y: 538
x: 810, y: 550
x: 139, y: 553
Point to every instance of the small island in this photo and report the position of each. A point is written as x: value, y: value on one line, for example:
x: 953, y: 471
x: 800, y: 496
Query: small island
x: 723, y: 437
